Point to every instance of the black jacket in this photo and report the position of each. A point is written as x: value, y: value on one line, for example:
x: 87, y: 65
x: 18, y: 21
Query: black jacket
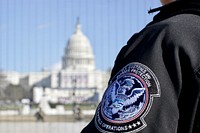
x: 155, y: 83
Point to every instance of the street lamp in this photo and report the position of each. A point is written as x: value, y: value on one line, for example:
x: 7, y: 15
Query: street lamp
x: 74, y: 92
x: 76, y: 108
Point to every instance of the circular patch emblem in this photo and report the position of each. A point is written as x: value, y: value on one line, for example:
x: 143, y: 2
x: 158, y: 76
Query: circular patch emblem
x: 127, y: 100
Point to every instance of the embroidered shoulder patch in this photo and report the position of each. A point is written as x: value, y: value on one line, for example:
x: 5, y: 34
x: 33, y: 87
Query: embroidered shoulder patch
x: 127, y: 100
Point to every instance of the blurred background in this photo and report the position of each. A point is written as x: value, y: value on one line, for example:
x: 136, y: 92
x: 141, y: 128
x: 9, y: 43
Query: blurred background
x: 56, y: 57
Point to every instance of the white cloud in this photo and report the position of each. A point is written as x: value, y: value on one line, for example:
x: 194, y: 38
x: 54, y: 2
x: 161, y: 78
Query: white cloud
x: 43, y: 26
x: 54, y: 67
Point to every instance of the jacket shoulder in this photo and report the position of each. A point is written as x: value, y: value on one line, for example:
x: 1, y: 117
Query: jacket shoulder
x: 181, y: 26
x: 181, y: 33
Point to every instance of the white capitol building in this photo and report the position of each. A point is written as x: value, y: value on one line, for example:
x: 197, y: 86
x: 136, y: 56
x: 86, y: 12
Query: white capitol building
x: 78, y: 80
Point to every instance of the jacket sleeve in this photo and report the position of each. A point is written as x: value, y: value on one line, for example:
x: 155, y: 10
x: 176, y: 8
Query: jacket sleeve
x: 90, y: 128
x: 182, y: 59
x: 196, y: 127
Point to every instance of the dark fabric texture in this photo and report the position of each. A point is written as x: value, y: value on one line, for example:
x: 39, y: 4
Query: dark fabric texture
x: 170, y: 47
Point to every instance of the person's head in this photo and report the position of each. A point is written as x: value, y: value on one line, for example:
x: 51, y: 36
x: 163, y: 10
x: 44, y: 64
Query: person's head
x: 164, y: 2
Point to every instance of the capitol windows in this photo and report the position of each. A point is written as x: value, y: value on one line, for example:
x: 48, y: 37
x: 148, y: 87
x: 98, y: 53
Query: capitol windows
x: 69, y: 62
x: 77, y: 61
x: 89, y: 61
x: 78, y: 79
x: 86, y: 61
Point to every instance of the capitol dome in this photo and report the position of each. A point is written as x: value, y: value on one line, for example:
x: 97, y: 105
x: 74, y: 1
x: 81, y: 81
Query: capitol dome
x: 78, y: 52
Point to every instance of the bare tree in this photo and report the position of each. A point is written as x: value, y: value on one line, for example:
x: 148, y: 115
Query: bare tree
x: 3, y: 85
x: 14, y: 92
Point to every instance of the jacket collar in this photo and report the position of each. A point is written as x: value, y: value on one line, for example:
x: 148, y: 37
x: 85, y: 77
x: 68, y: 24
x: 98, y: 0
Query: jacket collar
x: 175, y: 8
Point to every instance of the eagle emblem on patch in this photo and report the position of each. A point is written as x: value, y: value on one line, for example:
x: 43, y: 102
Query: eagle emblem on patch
x: 127, y: 100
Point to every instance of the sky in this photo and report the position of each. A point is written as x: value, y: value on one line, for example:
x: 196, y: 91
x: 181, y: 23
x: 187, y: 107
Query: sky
x: 34, y: 33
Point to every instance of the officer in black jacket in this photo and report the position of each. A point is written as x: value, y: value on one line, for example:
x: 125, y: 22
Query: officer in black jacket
x: 155, y: 83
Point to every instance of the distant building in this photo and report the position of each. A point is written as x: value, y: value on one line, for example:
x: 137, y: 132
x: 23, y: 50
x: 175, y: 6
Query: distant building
x: 77, y: 81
